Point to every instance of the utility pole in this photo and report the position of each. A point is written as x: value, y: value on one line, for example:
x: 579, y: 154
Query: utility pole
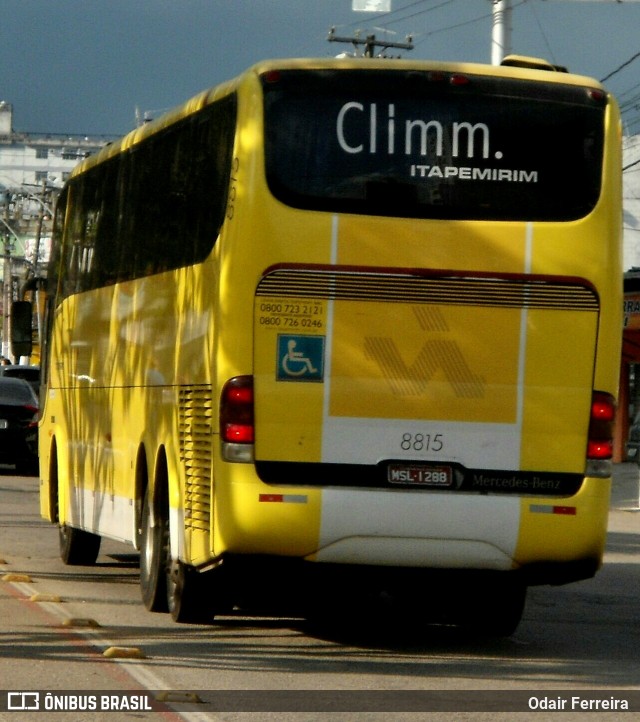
x: 370, y: 43
x: 7, y: 282
x: 41, y: 215
x: 501, y: 31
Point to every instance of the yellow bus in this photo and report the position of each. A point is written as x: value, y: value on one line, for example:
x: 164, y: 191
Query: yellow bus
x: 342, y: 320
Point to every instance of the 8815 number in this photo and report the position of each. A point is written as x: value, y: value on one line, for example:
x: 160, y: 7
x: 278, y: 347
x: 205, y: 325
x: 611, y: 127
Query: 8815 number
x: 422, y: 442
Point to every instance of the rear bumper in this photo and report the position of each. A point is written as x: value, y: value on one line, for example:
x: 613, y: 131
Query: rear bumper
x: 545, y: 539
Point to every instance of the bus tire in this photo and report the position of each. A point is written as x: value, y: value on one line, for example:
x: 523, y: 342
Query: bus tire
x: 78, y: 547
x: 154, y: 546
x: 189, y: 595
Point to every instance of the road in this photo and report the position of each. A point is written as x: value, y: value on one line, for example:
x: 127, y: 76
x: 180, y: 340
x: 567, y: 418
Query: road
x: 580, y: 637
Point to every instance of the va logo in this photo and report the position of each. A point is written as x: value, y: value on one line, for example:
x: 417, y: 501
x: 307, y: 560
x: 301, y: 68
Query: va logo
x: 436, y: 355
x: 300, y: 358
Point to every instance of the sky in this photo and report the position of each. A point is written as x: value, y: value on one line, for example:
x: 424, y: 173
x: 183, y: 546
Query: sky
x: 88, y: 66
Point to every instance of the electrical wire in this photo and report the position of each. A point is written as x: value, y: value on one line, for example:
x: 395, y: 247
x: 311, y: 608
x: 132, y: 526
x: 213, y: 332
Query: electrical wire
x: 621, y: 67
x: 394, y: 13
x: 472, y: 21
x: 542, y: 32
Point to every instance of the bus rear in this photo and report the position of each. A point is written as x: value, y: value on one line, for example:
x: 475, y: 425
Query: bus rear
x: 436, y: 321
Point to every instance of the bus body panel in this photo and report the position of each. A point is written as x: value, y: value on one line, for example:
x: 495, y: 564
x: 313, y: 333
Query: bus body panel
x: 253, y: 518
x: 459, y: 382
x: 296, y: 422
x: 565, y: 530
x: 422, y: 386
x: 117, y: 363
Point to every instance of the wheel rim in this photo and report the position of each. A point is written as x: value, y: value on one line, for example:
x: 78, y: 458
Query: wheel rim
x: 173, y: 582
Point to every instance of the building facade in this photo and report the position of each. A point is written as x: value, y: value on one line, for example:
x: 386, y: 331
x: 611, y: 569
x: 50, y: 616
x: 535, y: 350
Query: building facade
x: 33, y: 169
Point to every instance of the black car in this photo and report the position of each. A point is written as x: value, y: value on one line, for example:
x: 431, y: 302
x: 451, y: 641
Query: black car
x: 18, y: 425
x: 28, y: 373
x: 633, y: 442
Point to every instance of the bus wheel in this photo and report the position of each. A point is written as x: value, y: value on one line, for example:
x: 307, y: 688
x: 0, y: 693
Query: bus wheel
x: 189, y: 595
x: 154, y: 545
x: 78, y: 547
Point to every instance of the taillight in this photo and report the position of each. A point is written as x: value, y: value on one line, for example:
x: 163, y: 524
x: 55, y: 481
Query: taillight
x: 36, y: 414
x: 236, y: 419
x: 457, y: 79
x: 600, y: 441
x: 603, y: 414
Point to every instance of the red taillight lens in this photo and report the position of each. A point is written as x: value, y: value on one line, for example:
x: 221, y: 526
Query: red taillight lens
x: 459, y: 80
x: 599, y: 449
x: 36, y: 414
x: 603, y: 414
x: 236, y: 411
x: 272, y: 76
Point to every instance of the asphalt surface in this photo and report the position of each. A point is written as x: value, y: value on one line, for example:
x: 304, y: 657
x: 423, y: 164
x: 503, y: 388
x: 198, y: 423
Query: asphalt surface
x: 26, y: 627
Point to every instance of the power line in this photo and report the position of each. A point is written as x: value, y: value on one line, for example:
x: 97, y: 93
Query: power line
x: 626, y: 92
x: 532, y: 7
x: 462, y: 24
x: 620, y: 67
x: 394, y: 13
x: 395, y: 18
x: 420, y: 12
x: 630, y: 165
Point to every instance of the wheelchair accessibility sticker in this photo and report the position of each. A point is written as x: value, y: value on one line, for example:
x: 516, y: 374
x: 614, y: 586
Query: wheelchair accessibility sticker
x: 300, y: 358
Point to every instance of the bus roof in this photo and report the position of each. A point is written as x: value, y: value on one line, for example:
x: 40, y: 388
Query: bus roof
x: 521, y: 67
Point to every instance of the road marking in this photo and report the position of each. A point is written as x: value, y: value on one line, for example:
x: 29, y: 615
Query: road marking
x: 133, y: 667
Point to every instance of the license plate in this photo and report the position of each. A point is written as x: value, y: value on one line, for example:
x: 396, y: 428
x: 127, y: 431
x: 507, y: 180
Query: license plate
x: 4, y: 424
x: 438, y: 476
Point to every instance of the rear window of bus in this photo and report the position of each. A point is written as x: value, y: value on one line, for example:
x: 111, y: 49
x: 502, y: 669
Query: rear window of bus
x: 433, y: 145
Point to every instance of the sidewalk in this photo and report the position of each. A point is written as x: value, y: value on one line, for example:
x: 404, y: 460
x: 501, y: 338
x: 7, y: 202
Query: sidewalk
x: 624, y: 513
